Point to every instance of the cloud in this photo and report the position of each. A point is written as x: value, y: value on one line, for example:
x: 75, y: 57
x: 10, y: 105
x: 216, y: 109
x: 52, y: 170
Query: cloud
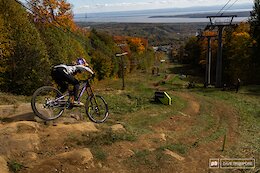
x: 115, y: 6
x: 123, y: 4
x: 84, y: 7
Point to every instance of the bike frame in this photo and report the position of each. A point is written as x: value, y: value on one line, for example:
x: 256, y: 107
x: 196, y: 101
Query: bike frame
x: 85, y: 87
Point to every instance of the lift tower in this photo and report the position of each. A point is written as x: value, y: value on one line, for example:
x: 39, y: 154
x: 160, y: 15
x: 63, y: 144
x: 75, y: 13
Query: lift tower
x: 220, y: 22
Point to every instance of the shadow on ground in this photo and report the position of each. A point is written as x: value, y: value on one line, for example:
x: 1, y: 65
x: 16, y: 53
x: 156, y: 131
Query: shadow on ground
x: 22, y: 117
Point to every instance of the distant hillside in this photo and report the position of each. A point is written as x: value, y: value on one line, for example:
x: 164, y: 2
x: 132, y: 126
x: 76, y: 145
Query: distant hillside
x: 204, y: 15
x: 157, y: 34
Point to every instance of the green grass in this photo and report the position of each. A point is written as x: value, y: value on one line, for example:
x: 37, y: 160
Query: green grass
x: 150, y: 161
x: 203, y: 127
x: 220, y: 132
x: 140, y: 121
x: 143, y: 158
x: 142, y: 154
x: 126, y: 102
x: 176, y: 83
x: 14, y: 166
x: 99, y: 153
x: 106, y: 137
x: 206, y: 120
x: 247, y: 104
x: 136, y: 96
x: 135, y: 105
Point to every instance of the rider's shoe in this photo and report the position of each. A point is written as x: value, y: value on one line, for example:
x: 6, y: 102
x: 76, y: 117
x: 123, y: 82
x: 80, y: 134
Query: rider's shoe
x: 78, y: 104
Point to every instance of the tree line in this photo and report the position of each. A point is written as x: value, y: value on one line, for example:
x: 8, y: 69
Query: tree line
x: 241, y: 51
x: 35, y: 39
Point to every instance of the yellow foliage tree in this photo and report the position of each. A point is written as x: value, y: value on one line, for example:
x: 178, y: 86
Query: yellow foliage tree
x: 239, y: 54
x: 6, y: 45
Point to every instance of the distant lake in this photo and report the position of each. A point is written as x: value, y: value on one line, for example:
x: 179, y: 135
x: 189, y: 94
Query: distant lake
x: 153, y: 16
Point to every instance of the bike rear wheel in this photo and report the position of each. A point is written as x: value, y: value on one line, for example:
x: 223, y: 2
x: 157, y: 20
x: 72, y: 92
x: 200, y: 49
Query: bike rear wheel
x: 46, y: 103
x: 97, y: 109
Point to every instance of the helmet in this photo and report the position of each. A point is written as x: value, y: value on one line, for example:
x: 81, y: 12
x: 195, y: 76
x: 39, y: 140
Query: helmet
x: 81, y: 61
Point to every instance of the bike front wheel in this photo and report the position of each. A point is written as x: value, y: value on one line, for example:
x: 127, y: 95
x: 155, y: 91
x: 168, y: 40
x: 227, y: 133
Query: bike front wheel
x: 97, y: 109
x: 47, y: 103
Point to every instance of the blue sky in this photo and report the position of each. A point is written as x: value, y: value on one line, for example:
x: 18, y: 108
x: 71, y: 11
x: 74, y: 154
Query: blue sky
x: 88, y: 6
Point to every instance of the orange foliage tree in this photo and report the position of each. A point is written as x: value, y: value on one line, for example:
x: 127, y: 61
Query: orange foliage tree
x: 136, y: 44
x: 139, y: 56
x: 56, y: 12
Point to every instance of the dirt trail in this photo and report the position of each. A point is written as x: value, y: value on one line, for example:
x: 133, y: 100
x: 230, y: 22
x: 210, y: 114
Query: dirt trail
x: 201, y: 146
x: 45, y: 149
x: 199, y: 152
x: 184, y: 118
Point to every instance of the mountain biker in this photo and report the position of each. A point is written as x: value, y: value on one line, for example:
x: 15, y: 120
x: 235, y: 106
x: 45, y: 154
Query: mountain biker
x: 64, y: 74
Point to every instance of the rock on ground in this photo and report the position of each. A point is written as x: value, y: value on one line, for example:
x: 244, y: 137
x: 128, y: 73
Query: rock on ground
x: 18, y: 137
x: 65, y: 162
x: 118, y: 128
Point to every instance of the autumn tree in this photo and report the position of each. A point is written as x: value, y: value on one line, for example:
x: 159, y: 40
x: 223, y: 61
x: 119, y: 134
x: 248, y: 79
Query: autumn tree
x: 238, y: 53
x: 26, y: 62
x: 102, y: 51
x: 63, y: 47
x: 192, y: 51
x: 147, y: 60
x: 136, y: 45
x: 101, y: 64
x: 137, y: 48
x: 255, y: 33
x: 6, y: 46
x: 55, y: 12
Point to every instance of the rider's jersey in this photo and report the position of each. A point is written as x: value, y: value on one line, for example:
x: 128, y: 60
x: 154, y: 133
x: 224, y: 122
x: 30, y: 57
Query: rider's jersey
x: 73, y: 69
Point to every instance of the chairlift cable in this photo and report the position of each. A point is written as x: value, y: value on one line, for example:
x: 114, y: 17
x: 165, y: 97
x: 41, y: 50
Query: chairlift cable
x: 231, y: 5
x: 23, y: 6
x: 223, y: 7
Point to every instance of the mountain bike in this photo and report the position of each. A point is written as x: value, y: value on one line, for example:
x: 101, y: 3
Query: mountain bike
x: 48, y: 103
